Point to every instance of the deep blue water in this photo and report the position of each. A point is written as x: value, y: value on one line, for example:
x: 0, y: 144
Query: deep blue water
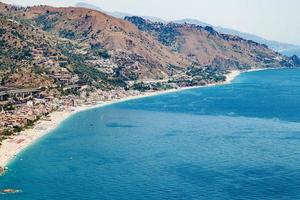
x: 233, y: 142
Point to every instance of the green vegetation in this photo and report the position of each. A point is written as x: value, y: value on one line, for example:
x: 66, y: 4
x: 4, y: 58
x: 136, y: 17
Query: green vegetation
x: 2, y: 31
x: 98, y: 50
x: 166, y: 33
x: 67, y: 34
x: 6, y: 132
x: 88, y: 74
x: 46, y: 22
x: 210, y: 74
x: 8, y: 107
x: 30, y: 123
x: 2, y: 43
x: 24, y: 54
x: 117, y: 82
x: 71, y: 91
x: 91, y: 76
x: 104, y: 54
x: 141, y: 87
x: 133, y: 76
x: 17, y: 34
x: 17, y: 129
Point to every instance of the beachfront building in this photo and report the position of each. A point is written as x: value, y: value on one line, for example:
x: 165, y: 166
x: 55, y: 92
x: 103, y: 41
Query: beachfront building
x: 19, y: 93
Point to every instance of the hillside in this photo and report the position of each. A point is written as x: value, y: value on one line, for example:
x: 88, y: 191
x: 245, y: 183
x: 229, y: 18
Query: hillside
x: 103, y: 50
x: 117, y: 14
x: 43, y: 45
x: 33, y: 58
x: 276, y: 46
x: 207, y: 47
x: 135, y: 51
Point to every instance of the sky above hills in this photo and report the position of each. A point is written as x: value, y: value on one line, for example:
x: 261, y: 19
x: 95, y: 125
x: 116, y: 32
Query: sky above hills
x: 272, y: 19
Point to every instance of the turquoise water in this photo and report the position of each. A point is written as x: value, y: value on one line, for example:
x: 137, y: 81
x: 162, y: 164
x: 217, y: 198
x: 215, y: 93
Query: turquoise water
x: 234, y: 142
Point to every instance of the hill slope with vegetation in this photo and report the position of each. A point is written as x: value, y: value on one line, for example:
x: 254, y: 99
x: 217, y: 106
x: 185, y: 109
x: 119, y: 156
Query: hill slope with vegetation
x: 38, y: 43
x: 208, y: 47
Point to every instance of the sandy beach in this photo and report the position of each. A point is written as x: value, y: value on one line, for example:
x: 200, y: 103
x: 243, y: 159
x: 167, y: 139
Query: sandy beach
x: 15, y: 144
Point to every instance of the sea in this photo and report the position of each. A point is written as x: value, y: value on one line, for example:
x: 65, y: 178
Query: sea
x: 239, y: 141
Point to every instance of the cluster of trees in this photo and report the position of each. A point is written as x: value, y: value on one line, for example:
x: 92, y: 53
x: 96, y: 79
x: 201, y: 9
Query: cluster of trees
x: 166, y: 33
x: 142, y: 87
x: 208, y: 74
x: 67, y: 34
x: 46, y: 22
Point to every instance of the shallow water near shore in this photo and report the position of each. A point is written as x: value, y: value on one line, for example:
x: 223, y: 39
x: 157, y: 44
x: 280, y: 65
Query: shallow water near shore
x: 235, y: 141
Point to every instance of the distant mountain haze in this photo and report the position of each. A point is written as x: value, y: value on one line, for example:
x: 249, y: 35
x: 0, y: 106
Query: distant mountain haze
x: 272, y: 19
x: 117, y: 14
x: 277, y: 46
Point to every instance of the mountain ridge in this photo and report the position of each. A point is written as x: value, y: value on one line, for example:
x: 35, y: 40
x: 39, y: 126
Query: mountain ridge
x: 104, y: 52
x: 275, y: 45
x: 208, y: 47
x: 117, y: 14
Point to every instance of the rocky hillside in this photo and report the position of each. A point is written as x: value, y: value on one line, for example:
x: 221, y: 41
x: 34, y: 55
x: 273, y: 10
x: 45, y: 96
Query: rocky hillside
x: 57, y: 47
x: 15, y: 55
x: 32, y: 58
x: 207, y: 47
x: 136, y: 51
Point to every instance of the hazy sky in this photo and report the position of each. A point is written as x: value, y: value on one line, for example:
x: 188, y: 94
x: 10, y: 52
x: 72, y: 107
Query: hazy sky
x: 273, y: 19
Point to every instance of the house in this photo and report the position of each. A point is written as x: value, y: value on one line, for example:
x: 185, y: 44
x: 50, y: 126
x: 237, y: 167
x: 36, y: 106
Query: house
x: 22, y: 93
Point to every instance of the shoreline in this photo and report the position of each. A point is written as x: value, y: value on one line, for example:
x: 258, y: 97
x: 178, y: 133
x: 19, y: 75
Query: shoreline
x: 14, y: 145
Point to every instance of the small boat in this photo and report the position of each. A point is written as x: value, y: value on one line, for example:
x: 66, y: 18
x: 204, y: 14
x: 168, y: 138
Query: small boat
x: 9, y: 191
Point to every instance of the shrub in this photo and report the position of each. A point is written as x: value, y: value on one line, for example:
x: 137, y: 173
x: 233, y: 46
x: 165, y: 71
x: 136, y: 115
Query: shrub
x: 67, y: 34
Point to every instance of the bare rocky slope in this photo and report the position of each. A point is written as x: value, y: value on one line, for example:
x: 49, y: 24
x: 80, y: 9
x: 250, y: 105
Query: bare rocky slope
x: 208, y: 47
x: 134, y: 50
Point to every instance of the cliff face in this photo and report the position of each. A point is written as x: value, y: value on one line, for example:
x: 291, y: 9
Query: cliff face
x: 207, y: 47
